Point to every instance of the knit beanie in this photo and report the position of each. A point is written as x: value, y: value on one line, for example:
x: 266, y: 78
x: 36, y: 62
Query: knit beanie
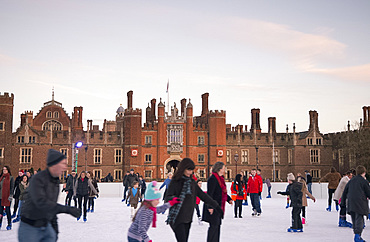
x: 290, y: 177
x: 54, y: 157
x: 152, y: 192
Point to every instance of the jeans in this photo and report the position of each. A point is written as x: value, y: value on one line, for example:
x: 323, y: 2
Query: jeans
x: 91, y: 203
x: 255, y: 200
x: 309, y: 187
x: 238, y: 206
x: 85, y: 198
x: 28, y: 233
x: 129, y: 239
x: 8, y: 215
x: 69, y: 198
x: 19, y: 208
x: 357, y: 223
x: 296, y: 218
x: 269, y: 191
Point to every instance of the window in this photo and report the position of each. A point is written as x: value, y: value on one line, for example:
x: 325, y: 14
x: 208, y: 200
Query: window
x: 56, y: 114
x: 148, y: 158
x: 48, y: 114
x: 2, y: 124
x: 315, y: 174
x: 25, y: 155
x: 97, y: 156
x: 315, y: 156
x: 201, y: 158
x: 228, y: 174
x: 174, y: 134
x: 228, y: 152
x: 64, y: 151
x: 352, y: 159
x: 1, y: 152
x: 63, y: 177
x: 118, y: 155
x: 335, y: 155
x: 245, y: 156
x: 148, y: 174
x: 277, y: 175
x: 118, y: 175
x: 309, y: 141
x: 148, y: 139
x: 318, y: 141
x: 290, y: 156
x: 276, y: 157
x: 341, y: 157
x: 31, y: 139
x: 52, y: 125
x: 200, y: 140
x: 202, y: 173
x: 20, y: 139
x: 97, y: 174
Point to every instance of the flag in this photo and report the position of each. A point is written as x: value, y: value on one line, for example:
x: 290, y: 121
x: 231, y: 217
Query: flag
x: 168, y: 85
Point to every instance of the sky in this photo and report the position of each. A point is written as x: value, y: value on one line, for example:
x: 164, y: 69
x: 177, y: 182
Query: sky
x: 286, y: 57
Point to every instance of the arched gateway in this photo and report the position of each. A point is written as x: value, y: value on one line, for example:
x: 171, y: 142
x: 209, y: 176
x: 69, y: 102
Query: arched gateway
x: 170, y: 165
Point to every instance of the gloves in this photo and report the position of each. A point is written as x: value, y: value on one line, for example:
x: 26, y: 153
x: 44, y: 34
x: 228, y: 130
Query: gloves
x: 150, y: 240
x: 10, y: 198
x: 174, y: 201
x: 247, y: 194
x: 75, y: 212
x: 259, y: 194
x: 279, y: 192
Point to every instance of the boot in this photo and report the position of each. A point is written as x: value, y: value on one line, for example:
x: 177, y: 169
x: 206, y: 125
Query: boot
x: 17, y: 219
x: 303, y: 221
x: 337, y: 207
x: 328, y: 208
x: 1, y: 219
x: 9, y: 227
x: 358, y: 238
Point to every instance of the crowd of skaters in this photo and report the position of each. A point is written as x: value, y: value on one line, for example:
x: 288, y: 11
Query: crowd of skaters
x: 35, y: 203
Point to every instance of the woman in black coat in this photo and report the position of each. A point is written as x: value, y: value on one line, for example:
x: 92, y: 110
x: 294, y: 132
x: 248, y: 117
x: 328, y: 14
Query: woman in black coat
x: 82, y: 190
x: 185, y: 188
x: 216, y: 189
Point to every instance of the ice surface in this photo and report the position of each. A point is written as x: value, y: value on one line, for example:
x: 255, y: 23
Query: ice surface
x: 111, y: 220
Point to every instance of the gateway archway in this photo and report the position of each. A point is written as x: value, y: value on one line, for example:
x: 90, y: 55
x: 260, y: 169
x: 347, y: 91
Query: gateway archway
x: 170, y: 165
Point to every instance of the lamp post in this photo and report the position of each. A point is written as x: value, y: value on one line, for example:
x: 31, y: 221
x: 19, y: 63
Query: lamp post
x: 236, y: 158
x: 76, y: 146
x: 257, y: 156
x: 86, y: 158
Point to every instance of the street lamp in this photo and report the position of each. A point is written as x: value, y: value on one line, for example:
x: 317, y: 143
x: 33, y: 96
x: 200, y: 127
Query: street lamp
x: 257, y: 156
x: 86, y: 158
x: 75, y: 147
x: 236, y: 157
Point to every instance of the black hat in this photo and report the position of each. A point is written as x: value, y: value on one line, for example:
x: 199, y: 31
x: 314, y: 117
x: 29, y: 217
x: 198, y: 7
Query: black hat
x: 54, y: 157
x: 132, y: 170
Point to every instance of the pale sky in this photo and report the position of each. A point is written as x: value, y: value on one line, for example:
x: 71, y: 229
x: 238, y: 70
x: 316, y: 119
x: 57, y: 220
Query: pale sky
x: 284, y: 57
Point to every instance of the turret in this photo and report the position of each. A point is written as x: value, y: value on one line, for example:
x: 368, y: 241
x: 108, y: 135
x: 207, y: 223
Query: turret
x: 314, y: 121
x: 256, y: 120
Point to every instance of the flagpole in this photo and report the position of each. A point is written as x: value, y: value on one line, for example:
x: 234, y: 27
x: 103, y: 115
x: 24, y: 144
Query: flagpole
x: 168, y: 97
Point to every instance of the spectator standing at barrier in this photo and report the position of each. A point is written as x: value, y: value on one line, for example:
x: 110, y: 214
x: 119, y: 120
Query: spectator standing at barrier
x: 308, y: 181
x: 125, y: 185
x: 71, y: 180
x: 333, y: 177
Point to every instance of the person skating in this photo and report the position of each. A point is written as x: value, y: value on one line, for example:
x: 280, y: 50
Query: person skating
x: 333, y: 177
x: 22, y: 189
x: 268, y: 184
x: 71, y: 180
x: 197, y: 202
x: 142, y: 187
x: 6, y: 195
x: 184, y: 187
x: 294, y: 191
x: 133, y: 196
x: 125, y: 186
x: 92, y: 194
x: 355, y: 197
x: 308, y: 181
x: 40, y: 208
x: 131, y: 177
x: 166, y: 183
x: 259, y: 171
x: 17, y: 193
x: 238, y: 194
x: 245, y: 180
x: 81, y: 191
x: 254, y: 189
x: 147, y: 214
x: 305, y: 194
x: 337, y: 196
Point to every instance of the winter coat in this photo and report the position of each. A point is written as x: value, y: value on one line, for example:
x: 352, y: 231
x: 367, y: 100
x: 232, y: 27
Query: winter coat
x: 40, y: 201
x: 125, y: 181
x: 185, y: 214
x: 339, y: 191
x: 305, y: 193
x: 308, y: 178
x: 6, y: 192
x: 333, y: 178
x: 142, y: 186
x: 214, y: 191
x: 237, y: 194
x: 268, y: 182
x: 17, y: 192
x: 254, y: 184
x: 82, y: 188
x: 94, y: 183
x: 357, y: 191
x: 22, y: 189
x: 134, y: 199
x: 294, y: 191
x: 70, y: 182
x: 131, y: 178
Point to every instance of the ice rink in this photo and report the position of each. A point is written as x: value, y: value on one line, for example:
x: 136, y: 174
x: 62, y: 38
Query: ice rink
x: 111, y: 220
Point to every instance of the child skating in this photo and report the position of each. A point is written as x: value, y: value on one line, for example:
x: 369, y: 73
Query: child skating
x: 134, y: 196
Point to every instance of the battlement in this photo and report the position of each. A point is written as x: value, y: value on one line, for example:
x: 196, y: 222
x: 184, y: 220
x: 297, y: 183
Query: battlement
x: 29, y: 112
x: 217, y: 113
x: 131, y: 111
x: 6, y: 99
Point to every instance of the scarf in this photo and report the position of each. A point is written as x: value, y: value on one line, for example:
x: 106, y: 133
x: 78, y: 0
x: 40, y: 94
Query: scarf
x: 5, y: 178
x: 154, y: 209
x: 221, y: 182
x: 175, y: 209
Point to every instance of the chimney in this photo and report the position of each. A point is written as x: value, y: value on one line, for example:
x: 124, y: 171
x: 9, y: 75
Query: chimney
x: 314, y: 121
x: 256, y: 120
x: 148, y: 114
x: 23, y: 119
x: 89, y: 125
x: 272, y: 125
x: 366, y: 121
x: 77, y: 118
x: 153, y: 102
x: 183, y: 107
x: 205, y: 104
x: 129, y: 100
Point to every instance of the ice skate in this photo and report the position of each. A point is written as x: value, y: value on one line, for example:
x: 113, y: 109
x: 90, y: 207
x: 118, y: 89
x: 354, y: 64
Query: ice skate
x: 328, y: 208
x: 17, y: 219
x: 200, y: 221
x: 358, y: 238
x: 9, y: 227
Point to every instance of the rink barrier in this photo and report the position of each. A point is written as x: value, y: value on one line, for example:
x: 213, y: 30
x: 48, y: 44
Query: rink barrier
x: 115, y: 189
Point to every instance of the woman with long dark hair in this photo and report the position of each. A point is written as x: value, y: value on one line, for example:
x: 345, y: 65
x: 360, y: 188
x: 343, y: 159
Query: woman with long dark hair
x: 6, y: 192
x: 185, y: 188
x: 81, y: 191
x: 92, y: 193
x: 216, y: 189
x: 238, y: 194
x: 22, y: 189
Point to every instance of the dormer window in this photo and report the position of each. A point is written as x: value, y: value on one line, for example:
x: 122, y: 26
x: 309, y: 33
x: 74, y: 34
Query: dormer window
x: 56, y: 114
x: 309, y: 141
x: 318, y: 141
x: 49, y: 114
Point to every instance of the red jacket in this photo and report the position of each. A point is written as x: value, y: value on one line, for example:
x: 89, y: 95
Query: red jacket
x: 254, y: 184
x: 234, y: 192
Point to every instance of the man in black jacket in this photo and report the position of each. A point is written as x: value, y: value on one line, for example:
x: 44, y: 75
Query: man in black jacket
x: 17, y: 192
x: 294, y: 191
x: 38, y: 215
x: 71, y: 180
x: 309, y: 181
x: 357, y: 191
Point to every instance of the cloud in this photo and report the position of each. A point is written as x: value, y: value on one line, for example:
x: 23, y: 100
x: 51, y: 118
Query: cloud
x: 355, y: 73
